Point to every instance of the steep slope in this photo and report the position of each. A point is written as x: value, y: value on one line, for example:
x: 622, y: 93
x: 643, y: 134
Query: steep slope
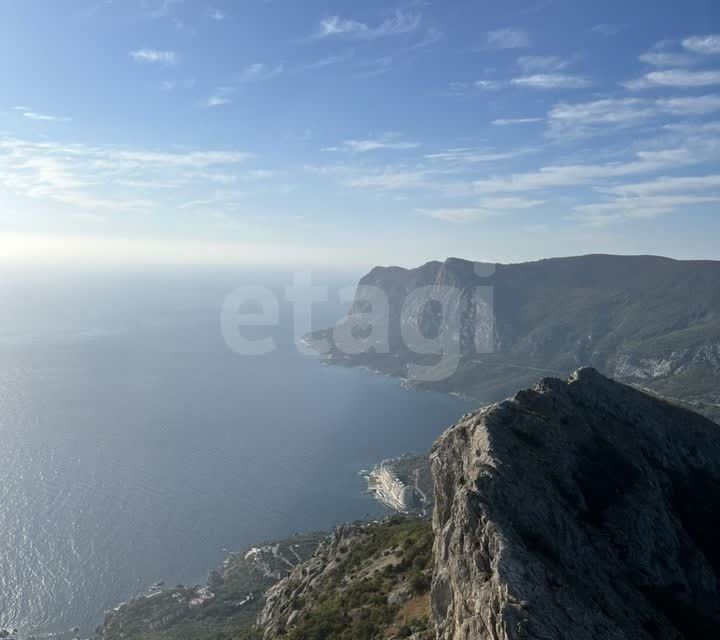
x: 650, y: 321
x: 366, y: 581
x: 578, y: 509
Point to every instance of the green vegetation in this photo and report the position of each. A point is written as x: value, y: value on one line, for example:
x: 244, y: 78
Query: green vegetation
x: 354, y: 602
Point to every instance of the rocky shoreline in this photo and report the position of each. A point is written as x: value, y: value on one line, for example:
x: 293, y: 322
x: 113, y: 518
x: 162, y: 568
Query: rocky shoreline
x: 233, y: 591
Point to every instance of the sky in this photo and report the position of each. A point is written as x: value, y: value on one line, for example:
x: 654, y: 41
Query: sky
x: 357, y: 133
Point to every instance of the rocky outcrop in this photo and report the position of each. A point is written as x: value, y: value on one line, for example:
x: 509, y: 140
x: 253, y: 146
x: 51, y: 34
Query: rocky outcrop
x: 580, y: 509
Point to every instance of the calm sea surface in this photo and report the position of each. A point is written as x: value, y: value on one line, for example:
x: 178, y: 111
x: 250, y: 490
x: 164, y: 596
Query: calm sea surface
x: 135, y: 446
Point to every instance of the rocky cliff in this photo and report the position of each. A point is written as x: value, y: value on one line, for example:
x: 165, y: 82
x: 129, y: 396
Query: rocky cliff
x: 649, y: 321
x: 578, y: 509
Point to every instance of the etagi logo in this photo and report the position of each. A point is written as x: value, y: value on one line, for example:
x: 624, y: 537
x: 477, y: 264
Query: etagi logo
x: 430, y: 328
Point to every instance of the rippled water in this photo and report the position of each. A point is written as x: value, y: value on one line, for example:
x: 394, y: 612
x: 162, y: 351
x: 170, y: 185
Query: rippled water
x: 134, y: 446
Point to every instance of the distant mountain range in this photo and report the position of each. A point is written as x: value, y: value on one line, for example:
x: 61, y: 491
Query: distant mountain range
x: 648, y: 321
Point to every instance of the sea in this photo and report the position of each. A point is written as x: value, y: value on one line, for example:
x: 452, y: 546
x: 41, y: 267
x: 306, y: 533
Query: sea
x: 138, y: 445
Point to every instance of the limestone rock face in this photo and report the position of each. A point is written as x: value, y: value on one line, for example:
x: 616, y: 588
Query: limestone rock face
x: 578, y: 509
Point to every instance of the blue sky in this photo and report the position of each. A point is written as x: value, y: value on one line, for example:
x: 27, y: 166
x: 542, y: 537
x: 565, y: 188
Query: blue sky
x: 364, y: 132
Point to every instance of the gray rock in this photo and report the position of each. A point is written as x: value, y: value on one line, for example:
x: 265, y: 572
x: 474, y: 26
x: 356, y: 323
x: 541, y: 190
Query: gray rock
x: 580, y: 509
x: 399, y: 596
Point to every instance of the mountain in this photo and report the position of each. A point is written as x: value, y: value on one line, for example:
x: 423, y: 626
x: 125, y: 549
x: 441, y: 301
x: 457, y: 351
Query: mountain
x: 580, y: 509
x: 649, y: 321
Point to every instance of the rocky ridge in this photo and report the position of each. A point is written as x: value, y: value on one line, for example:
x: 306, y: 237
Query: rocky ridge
x: 580, y: 509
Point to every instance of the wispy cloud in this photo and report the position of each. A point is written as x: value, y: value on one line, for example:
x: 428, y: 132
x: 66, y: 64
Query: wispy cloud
x: 505, y: 122
x: 432, y: 36
x: 487, y: 85
x: 447, y: 172
x: 535, y: 64
x: 389, y: 141
x: 650, y: 198
x: 665, y: 54
x: 607, y: 30
x: 154, y: 56
x: 560, y: 176
x: 373, y: 67
x: 456, y: 215
x: 221, y: 96
x: 706, y: 45
x: 43, y: 117
x: 484, y: 209
x: 693, y: 128
x: 399, y: 22
x: 216, y: 14
x: 219, y: 197
x: 552, y: 81
x: 259, y: 71
x: 99, y: 179
x: 460, y: 88
x: 327, y: 61
x: 666, y: 184
x: 585, y: 117
x: 507, y: 38
x: 667, y: 59
x: 636, y: 207
x: 388, y: 179
x: 217, y: 101
x: 609, y: 114
x: 695, y: 105
x: 676, y: 78
x: 399, y: 178
x: 463, y: 156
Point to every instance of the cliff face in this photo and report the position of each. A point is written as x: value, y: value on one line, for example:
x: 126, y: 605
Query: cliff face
x: 645, y: 320
x: 578, y: 509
